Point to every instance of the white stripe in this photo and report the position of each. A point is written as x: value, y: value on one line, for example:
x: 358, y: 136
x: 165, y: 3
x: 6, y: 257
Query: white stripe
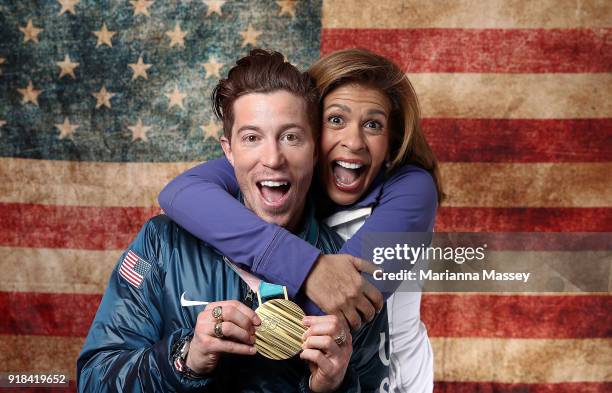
x: 466, y: 14
x: 514, y: 96
x: 58, y: 270
x: 543, y: 184
x: 522, y: 360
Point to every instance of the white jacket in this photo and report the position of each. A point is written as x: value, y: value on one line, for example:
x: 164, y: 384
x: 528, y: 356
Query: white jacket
x: 410, y: 355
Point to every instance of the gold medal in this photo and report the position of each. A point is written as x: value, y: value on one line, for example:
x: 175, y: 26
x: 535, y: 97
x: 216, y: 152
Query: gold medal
x: 279, y: 336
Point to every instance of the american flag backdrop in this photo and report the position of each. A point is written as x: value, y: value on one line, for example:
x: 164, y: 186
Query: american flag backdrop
x: 102, y: 102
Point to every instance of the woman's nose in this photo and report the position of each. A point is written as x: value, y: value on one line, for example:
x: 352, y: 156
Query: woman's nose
x: 353, y: 139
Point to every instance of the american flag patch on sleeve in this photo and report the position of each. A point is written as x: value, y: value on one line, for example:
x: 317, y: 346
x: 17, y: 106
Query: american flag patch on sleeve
x: 133, y: 268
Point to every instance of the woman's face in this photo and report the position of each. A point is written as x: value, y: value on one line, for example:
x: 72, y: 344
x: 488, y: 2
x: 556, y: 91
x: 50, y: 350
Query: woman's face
x: 354, y: 140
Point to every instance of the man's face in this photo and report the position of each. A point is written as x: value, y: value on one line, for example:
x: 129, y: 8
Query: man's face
x: 272, y: 150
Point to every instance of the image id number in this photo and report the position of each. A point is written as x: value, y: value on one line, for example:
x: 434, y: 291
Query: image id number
x: 28, y: 379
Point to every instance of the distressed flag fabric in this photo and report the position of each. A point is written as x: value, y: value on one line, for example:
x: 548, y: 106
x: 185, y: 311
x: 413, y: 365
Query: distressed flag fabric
x: 516, y: 101
x: 102, y: 102
x: 133, y: 269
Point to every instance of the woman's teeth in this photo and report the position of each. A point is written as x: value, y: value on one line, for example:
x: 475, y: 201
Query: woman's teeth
x: 349, y: 165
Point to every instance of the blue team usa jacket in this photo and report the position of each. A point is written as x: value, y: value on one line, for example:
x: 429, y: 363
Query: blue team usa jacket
x: 129, y: 345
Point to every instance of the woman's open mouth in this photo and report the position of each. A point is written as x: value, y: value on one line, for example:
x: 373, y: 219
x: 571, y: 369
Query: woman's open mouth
x: 348, y: 175
x: 274, y: 192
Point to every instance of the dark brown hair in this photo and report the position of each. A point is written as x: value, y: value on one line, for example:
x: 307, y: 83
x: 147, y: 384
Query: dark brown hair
x: 407, y: 144
x: 264, y: 72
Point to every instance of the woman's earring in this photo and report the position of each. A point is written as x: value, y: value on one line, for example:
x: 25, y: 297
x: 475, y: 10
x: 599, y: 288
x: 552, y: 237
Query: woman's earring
x: 387, y: 164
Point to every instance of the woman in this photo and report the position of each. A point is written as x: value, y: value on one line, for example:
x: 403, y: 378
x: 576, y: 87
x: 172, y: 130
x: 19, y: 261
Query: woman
x: 377, y: 170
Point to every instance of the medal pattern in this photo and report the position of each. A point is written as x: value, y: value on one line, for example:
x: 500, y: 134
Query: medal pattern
x: 279, y: 336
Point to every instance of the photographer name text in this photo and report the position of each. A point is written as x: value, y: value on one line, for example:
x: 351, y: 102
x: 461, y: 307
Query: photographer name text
x: 484, y: 275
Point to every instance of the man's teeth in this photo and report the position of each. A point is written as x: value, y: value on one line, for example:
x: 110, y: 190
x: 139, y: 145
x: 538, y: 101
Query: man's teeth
x: 270, y: 183
x: 349, y: 165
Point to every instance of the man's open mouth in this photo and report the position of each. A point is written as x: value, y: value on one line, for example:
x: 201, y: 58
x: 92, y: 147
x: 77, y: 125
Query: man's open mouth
x: 347, y: 174
x: 274, y: 191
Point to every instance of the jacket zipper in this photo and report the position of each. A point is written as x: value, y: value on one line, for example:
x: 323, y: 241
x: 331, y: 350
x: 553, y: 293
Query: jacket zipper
x: 248, y: 300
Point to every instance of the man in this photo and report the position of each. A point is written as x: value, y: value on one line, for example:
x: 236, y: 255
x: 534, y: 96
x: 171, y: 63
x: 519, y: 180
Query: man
x: 147, y: 337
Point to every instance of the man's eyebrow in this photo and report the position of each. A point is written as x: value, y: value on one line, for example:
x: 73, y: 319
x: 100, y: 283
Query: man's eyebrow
x: 341, y: 106
x: 291, y: 125
x: 247, y: 127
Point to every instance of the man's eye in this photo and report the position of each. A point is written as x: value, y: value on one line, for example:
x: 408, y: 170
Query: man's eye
x: 292, y: 138
x: 250, y: 138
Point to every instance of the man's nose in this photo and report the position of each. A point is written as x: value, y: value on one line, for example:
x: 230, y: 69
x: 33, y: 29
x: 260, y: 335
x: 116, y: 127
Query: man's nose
x: 273, y: 156
x: 353, y: 138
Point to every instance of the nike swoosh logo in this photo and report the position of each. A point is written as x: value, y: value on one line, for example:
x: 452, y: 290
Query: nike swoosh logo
x: 191, y: 303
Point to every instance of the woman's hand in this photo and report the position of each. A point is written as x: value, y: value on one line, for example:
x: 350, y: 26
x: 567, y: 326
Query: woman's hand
x: 227, y: 326
x: 327, y: 348
x: 336, y: 285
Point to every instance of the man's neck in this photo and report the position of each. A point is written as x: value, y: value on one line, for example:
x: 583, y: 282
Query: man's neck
x: 297, y: 226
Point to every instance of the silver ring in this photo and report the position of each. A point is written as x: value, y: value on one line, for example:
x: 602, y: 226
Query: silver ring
x: 340, y: 338
x: 217, y: 313
x: 218, y: 330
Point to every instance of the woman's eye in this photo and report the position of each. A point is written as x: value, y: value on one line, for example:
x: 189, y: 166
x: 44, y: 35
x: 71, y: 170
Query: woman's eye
x: 374, y: 126
x: 335, y: 120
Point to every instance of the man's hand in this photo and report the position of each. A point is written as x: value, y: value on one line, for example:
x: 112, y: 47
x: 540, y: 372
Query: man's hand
x: 326, y: 358
x: 336, y: 285
x: 238, y: 335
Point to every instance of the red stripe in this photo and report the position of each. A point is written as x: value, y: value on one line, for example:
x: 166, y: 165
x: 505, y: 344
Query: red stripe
x: 445, y: 315
x: 111, y: 228
x: 482, y: 50
x: 528, y: 241
x: 71, y: 388
x: 80, y: 227
x: 47, y: 314
x: 517, y: 316
x: 495, y: 387
x: 522, y: 140
x: 483, y: 219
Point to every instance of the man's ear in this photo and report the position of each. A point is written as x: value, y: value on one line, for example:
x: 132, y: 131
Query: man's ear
x: 227, y: 149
